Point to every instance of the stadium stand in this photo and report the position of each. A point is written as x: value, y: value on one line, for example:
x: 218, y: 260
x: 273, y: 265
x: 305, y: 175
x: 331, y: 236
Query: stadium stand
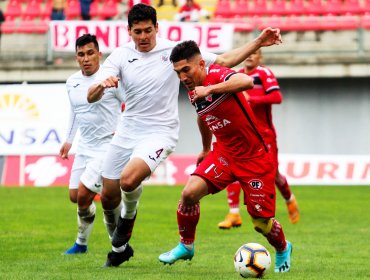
x: 314, y: 7
x: 259, y: 8
x: 279, y: 7
x: 352, y: 7
x: 296, y: 7
x: 95, y: 10
x: 223, y: 10
x: 73, y: 10
x: 32, y: 11
x: 110, y: 9
x: 241, y: 8
x: 333, y: 7
x: 13, y: 10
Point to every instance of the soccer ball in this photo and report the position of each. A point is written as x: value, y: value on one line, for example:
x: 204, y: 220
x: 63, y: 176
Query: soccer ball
x: 252, y: 260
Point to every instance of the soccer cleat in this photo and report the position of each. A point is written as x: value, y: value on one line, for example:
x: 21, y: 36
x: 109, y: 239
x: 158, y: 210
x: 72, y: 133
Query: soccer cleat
x: 115, y: 259
x: 231, y: 220
x: 293, y: 210
x: 282, y: 262
x: 180, y: 252
x: 76, y: 249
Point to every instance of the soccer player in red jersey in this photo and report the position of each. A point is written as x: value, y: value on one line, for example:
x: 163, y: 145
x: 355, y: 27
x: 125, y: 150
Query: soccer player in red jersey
x: 266, y: 91
x: 239, y: 153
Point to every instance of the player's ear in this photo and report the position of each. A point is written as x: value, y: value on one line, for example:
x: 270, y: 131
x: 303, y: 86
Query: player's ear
x: 202, y: 63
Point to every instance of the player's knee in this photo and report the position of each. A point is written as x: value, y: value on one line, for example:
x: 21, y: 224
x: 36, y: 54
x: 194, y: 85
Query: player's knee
x: 262, y: 225
x: 110, y: 202
x: 189, y: 197
x: 73, y: 195
x: 128, y: 183
x: 83, y: 201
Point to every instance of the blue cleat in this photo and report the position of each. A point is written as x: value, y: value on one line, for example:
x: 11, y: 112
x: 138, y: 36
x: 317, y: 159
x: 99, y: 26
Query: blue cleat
x: 180, y: 252
x: 76, y: 249
x: 282, y: 262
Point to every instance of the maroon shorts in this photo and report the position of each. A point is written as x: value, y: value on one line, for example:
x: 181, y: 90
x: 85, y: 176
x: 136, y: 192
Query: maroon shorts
x: 256, y: 177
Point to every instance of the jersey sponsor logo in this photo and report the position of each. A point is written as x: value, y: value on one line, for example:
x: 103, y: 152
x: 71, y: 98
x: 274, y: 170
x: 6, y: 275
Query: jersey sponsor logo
x: 97, y: 186
x: 76, y: 85
x: 219, y: 125
x: 132, y: 60
x: 210, y: 119
x: 214, y: 70
x: 256, y: 184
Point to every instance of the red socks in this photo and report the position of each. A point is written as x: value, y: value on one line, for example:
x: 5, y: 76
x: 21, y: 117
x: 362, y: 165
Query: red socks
x: 276, y: 236
x: 233, y: 194
x: 187, y: 220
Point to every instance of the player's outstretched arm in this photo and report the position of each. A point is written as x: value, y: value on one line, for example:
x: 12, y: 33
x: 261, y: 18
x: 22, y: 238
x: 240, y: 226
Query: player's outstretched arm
x: 236, y: 83
x: 269, y: 36
x: 96, y: 91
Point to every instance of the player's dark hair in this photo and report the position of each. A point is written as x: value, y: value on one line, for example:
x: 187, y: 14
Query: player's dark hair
x: 184, y: 50
x: 141, y: 12
x: 86, y: 39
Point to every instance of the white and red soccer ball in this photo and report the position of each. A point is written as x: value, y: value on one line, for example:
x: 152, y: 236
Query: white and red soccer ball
x: 252, y: 260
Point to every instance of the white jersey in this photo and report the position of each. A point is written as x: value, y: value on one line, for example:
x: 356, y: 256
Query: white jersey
x: 151, y: 87
x: 96, y: 121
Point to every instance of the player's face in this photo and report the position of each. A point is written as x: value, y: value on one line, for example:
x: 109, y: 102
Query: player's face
x: 144, y: 35
x: 190, y: 72
x: 88, y: 57
x: 253, y: 61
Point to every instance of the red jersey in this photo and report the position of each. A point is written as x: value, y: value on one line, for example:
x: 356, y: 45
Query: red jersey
x: 230, y: 118
x: 266, y: 91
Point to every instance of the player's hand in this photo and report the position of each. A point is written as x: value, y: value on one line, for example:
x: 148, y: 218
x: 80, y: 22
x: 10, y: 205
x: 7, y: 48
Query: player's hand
x: 199, y: 93
x: 270, y: 36
x: 110, y: 82
x: 64, y: 150
x: 202, y: 156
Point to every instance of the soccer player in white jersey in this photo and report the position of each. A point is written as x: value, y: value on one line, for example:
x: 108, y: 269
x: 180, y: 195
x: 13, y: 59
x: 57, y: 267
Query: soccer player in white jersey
x: 97, y: 123
x: 148, y: 131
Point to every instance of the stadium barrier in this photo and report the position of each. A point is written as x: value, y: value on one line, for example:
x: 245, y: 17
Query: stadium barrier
x: 51, y: 170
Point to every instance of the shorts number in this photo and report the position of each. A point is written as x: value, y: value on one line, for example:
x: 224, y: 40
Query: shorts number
x: 158, y: 154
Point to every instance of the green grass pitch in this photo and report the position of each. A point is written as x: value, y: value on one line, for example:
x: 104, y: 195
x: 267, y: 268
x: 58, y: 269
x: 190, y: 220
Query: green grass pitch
x: 331, y: 241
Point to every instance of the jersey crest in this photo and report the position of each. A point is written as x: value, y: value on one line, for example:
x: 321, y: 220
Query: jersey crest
x: 164, y: 57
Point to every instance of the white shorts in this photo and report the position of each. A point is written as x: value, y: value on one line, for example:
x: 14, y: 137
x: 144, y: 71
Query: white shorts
x: 87, y: 170
x: 153, y: 149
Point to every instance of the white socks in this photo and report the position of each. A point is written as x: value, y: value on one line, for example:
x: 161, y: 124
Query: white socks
x: 85, y: 222
x: 111, y: 219
x: 130, y: 202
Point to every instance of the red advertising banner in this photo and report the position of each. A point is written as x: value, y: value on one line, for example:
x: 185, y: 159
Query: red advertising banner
x: 44, y: 171
x: 212, y: 37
